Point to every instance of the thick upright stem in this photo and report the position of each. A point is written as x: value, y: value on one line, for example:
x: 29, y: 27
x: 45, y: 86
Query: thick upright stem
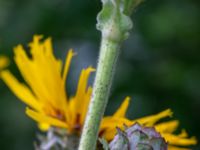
x: 107, y: 63
x: 114, y: 23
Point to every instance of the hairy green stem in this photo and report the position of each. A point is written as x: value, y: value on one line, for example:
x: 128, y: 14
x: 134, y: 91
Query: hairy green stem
x: 107, y: 62
x: 114, y: 23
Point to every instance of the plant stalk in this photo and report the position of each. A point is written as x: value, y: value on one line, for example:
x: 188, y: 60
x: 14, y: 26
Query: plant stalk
x: 114, y: 23
x: 109, y: 51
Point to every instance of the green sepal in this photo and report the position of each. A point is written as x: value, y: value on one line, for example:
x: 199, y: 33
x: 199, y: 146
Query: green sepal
x: 104, y: 143
x: 112, y: 21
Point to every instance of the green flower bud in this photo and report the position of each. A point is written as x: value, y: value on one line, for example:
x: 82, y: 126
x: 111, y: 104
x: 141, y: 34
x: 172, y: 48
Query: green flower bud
x: 138, y: 137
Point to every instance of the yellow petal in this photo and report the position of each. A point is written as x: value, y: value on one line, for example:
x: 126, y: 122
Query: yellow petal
x: 48, y: 48
x: 43, y: 126
x: 169, y: 126
x: 69, y: 56
x: 4, y: 62
x: 109, y: 124
x: 176, y: 140
x: 87, y: 98
x: 108, y: 134
x: 121, y: 112
x: 176, y: 148
x: 20, y: 90
x: 81, y: 90
x: 35, y: 45
x: 41, y: 118
x: 30, y: 73
x: 151, y: 120
x: 183, y: 134
x: 42, y: 72
x: 71, y: 113
x: 113, y: 122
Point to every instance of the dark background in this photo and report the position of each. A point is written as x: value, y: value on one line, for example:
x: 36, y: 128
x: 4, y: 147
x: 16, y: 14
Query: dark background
x: 159, y: 66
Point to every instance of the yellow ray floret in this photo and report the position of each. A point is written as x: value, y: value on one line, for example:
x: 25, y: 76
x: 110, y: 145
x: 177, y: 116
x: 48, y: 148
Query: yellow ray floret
x: 48, y: 103
x: 4, y: 62
x: 44, y: 91
x: 166, y: 129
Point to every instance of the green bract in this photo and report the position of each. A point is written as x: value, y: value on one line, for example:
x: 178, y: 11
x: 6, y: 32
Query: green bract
x: 112, y: 21
x: 138, y: 137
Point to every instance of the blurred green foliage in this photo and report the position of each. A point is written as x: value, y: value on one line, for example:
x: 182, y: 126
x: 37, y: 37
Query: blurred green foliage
x: 159, y: 66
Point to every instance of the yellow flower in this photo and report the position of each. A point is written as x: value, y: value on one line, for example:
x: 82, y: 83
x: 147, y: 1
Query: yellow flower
x: 49, y: 104
x: 44, y: 91
x: 166, y: 129
x: 4, y: 61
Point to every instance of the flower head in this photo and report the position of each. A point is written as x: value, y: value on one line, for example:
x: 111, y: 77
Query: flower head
x: 44, y: 91
x: 166, y: 129
x: 137, y: 137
